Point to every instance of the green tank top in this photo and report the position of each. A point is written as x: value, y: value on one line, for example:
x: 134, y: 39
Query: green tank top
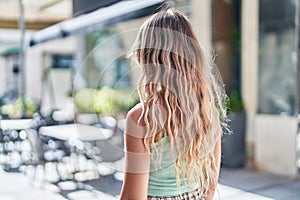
x: 162, y: 176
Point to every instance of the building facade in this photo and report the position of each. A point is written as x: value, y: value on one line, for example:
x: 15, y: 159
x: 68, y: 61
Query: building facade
x: 256, y: 54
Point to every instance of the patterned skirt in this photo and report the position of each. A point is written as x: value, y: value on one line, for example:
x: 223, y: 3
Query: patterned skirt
x: 193, y: 195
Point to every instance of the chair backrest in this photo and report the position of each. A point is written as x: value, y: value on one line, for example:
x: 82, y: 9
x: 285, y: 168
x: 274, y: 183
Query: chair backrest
x: 108, y: 122
x: 1, y: 135
x: 87, y: 119
x: 36, y: 145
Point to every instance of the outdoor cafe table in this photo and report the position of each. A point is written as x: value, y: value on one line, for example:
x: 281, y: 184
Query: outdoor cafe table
x: 76, y: 131
x: 15, y: 124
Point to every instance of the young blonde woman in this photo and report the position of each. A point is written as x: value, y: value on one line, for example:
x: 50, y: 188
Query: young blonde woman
x: 173, y: 137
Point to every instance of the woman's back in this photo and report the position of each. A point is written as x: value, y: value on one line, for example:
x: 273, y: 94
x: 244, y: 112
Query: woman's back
x: 180, y: 111
x: 162, y: 176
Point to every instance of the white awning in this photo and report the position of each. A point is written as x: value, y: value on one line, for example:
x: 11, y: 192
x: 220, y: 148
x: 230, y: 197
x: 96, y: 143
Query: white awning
x: 118, y: 12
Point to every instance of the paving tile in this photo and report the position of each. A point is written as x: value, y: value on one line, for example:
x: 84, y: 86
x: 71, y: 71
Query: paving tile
x: 277, y: 192
x: 230, y: 193
x: 81, y: 194
x: 7, y: 197
x: 295, y: 196
x: 249, y: 180
x: 294, y: 184
x: 235, y: 184
x: 15, y: 186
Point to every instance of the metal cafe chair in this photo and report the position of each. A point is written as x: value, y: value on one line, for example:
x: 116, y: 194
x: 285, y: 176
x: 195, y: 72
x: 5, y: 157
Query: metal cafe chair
x: 78, y: 138
x: 56, y: 151
x: 101, y: 151
x: 45, y: 152
x: 87, y: 119
x: 1, y: 147
x: 15, y: 146
x: 48, y: 156
x: 109, y: 154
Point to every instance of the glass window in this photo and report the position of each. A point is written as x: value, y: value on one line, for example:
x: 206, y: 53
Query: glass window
x: 106, y: 64
x: 277, y: 70
x: 62, y: 61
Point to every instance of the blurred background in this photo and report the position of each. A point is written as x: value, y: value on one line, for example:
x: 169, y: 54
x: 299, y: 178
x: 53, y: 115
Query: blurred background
x: 66, y: 85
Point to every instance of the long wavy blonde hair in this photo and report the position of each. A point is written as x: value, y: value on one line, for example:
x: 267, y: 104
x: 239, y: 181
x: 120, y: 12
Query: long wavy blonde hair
x: 181, y: 93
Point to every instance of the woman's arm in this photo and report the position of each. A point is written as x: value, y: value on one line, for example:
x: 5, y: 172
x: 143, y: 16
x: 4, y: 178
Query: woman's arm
x: 217, y: 154
x: 135, y: 184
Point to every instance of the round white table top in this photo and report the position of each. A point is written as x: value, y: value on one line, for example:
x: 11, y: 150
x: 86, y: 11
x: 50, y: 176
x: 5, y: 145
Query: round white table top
x: 15, y: 124
x: 76, y: 131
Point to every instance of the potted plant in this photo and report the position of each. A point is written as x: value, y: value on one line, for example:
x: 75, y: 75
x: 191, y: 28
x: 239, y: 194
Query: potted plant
x: 105, y: 101
x: 233, y: 144
x: 13, y: 109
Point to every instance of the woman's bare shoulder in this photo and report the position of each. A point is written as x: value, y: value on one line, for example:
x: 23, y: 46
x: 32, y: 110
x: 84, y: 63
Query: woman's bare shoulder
x: 134, y: 113
x: 137, y: 109
x: 135, y: 131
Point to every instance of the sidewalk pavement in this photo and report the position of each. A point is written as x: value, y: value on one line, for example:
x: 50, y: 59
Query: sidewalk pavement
x: 239, y: 184
x: 246, y: 184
